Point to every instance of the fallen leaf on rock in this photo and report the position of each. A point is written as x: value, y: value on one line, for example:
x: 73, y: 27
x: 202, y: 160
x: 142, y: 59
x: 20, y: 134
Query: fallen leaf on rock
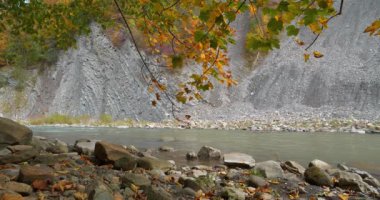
x: 134, y: 188
x: 62, y: 186
x: 80, y: 196
x: 343, y: 196
x: 40, y: 184
x: 117, y: 196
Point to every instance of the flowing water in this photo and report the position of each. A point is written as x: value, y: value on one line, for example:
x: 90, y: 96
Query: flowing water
x: 361, y: 151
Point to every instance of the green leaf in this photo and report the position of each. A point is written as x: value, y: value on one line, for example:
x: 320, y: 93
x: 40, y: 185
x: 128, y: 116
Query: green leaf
x: 231, y: 16
x: 310, y: 16
x: 177, y: 61
x: 199, y: 35
x: 204, y: 15
x: 275, y: 25
x: 292, y: 30
x: 283, y: 6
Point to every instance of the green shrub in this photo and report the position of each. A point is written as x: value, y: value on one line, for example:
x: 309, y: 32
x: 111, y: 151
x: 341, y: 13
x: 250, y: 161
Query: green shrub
x: 105, y: 119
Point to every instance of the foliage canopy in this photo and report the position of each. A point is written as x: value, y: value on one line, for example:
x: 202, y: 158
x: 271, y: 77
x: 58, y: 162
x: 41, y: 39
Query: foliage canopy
x: 179, y: 31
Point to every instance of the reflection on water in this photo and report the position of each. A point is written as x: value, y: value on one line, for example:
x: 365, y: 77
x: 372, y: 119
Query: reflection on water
x: 355, y: 150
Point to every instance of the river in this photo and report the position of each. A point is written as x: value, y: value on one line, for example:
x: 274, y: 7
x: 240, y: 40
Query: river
x: 361, y: 151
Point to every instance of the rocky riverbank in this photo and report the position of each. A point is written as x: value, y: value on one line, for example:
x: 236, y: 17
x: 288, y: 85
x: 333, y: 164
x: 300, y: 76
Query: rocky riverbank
x: 256, y: 125
x: 34, y: 167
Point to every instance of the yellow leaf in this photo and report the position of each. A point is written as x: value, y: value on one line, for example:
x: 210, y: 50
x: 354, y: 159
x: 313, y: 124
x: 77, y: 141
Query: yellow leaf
x: 252, y: 9
x: 343, y: 196
x: 306, y: 57
x: 373, y: 28
x: 317, y: 54
x: 315, y: 28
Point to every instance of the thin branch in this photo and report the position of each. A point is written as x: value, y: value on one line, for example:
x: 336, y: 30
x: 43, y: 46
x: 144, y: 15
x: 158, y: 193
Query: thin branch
x: 171, y: 6
x: 316, y: 38
x: 142, y: 58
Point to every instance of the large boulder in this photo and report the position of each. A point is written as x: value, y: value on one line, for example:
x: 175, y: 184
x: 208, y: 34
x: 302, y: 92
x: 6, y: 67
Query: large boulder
x: 269, y: 169
x: 318, y: 176
x: 84, y: 146
x: 209, y: 153
x: 12, y: 133
x: 17, y: 154
x: 238, y: 160
x: 352, y: 181
x: 28, y: 173
x: 109, y: 153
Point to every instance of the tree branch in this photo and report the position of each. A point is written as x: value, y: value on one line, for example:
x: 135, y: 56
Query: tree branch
x: 316, y: 38
x: 142, y: 58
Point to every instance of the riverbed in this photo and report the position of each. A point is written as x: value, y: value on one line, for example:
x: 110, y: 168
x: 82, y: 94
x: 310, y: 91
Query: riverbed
x: 355, y: 150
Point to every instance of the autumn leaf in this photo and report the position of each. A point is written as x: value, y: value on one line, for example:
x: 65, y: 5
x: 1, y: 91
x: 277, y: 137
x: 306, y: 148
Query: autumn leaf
x: 343, y: 196
x: 374, y: 28
x: 317, y: 54
x: 40, y: 184
x: 306, y: 57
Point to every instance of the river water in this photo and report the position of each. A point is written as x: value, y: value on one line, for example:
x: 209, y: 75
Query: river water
x: 361, y: 151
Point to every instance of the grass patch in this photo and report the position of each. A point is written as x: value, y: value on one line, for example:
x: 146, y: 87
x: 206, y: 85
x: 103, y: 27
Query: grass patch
x: 61, y: 119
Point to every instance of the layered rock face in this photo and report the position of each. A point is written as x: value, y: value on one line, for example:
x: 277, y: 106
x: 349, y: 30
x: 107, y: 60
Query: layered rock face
x: 97, y: 78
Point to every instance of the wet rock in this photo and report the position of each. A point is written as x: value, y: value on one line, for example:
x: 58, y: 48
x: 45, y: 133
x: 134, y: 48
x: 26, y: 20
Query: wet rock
x: 58, y: 147
x: 209, y: 153
x: 191, y: 155
x: 30, y: 173
x: 352, y: 181
x: 166, y: 149
x: 49, y: 159
x: 187, y: 192
x: 126, y: 163
x: 17, y: 154
x: 12, y: 133
x: 156, y: 193
x: 9, y: 195
x: 128, y: 192
x: 317, y: 176
x: 233, y: 193
x: 150, y: 163
x: 241, y: 160
x: 257, y: 181
x: 320, y: 164
x: 343, y: 167
x: 11, y: 171
x: 84, y: 146
x: 101, y: 192
x: 192, y: 183
x: 20, y: 188
x: 367, y: 177
x: 107, y: 152
x: 293, y: 167
x: 197, y: 173
x: 135, y: 179
x: 269, y: 169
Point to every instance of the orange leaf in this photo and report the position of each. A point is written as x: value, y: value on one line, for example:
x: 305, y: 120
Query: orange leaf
x: 40, y: 184
x: 343, y: 196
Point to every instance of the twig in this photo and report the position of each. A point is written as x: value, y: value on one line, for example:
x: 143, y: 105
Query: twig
x: 316, y: 38
x: 143, y: 60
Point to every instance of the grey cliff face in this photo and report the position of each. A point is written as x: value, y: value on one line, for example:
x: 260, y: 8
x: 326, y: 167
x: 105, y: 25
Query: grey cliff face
x: 97, y: 78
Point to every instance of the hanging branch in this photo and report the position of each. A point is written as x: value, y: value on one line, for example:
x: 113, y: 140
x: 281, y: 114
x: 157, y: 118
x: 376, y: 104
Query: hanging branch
x: 143, y: 60
x: 316, y: 38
